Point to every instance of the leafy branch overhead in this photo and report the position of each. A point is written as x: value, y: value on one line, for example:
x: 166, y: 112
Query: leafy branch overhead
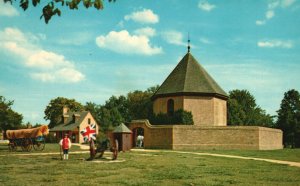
x: 51, y: 9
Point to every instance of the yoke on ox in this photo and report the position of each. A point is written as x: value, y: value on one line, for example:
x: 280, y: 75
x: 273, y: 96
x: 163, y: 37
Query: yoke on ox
x: 27, y: 138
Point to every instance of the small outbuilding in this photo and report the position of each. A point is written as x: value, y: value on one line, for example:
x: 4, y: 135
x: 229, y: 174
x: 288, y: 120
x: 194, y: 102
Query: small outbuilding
x: 124, y: 137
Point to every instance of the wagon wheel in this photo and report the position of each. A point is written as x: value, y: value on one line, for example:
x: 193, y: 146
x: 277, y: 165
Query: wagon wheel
x: 12, y: 146
x: 26, y: 144
x: 115, y: 150
x: 39, y: 144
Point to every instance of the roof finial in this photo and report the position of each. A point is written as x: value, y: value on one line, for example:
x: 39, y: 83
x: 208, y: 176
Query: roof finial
x: 189, y: 47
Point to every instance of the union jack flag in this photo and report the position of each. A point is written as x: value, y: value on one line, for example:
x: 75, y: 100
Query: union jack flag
x: 89, y: 133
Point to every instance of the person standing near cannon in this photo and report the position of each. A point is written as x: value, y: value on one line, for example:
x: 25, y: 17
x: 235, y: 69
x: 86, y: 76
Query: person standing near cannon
x: 65, y: 145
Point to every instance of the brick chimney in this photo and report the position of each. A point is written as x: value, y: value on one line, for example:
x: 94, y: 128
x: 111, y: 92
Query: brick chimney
x: 65, y: 115
x: 65, y: 110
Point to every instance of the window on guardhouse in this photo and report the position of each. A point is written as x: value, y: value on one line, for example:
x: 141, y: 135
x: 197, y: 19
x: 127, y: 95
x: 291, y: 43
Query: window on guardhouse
x: 89, y: 121
x: 170, y: 107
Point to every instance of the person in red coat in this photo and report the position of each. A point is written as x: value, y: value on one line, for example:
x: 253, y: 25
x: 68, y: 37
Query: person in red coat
x: 65, y: 144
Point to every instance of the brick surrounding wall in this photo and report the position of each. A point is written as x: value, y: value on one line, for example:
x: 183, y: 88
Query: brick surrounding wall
x: 185, y: 137
x: 215, y: 138
x: 270, y: 139
x: 229, y: 137
x: 158, y: 137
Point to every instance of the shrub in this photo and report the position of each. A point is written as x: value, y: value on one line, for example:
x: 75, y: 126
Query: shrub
x: 179, y: 117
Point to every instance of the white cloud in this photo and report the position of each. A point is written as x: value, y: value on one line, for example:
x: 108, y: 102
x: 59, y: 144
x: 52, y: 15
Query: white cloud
x: 46, y: 65
x: 260, y: 22
x: 272, y: 6
x: 144, y: 16
x: 173, y: 37
x: 147, y: 31
x: 275, y: 43
x: 287, y: 3
x: 12, y: 34
x: 123, y: 42
x: 47, y: 60
x: 6, y: 9
x: 67, y: 75
x: 270, y: 14
x: 204, y: 5
x: 43, y: 76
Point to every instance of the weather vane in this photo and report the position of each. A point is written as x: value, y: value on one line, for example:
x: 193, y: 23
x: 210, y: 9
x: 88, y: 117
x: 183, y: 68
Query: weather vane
x: 189, y: 47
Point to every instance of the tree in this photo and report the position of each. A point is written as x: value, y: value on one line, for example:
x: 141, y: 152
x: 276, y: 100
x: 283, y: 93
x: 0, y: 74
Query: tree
x: 109, y: 118
x: 288, y: 119
x: 120, y: 105
x: 50, y: 9
x: 111, y: 114
x: 9, y: 119
x: 94, y: 110
x: 135, y: 105
x: 243, y: 110
x: 140, y: 104
x: 180, y: 116
x: 53, y: 111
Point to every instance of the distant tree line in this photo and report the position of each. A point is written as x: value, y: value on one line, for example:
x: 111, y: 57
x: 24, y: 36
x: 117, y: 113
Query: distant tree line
x: 241, y: 110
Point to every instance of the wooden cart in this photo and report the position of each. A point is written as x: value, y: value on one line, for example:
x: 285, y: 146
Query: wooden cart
x: 27, y: 138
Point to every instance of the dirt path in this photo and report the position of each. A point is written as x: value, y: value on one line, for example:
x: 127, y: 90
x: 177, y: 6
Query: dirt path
x: 290, y: 163
x: 44, y: 153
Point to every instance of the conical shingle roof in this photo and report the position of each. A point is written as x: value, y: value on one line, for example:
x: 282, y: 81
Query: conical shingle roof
x: 189, y: 78
x: 122, y: 129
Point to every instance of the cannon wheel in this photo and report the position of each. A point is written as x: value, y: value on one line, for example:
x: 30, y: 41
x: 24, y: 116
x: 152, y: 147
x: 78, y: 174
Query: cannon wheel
x: 39, y: 144
x: 101, y: 153
x: 115, y: 150
x: 26, y: 144
x: 12, y: 146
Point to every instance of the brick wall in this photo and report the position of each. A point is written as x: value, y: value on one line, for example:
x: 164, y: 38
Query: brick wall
x: 229, y: 137
x: 202, y: 109
x: 160, y: 104
x: 220, y: 112
x: 270, y: 138
x: 158, y: 137
x: 185, y: 137
x: 207, y: 111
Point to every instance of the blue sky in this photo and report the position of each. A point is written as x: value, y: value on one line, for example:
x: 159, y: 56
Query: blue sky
x: 90, y: 55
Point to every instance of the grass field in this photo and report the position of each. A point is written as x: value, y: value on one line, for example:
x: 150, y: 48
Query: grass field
x: 148, y: 168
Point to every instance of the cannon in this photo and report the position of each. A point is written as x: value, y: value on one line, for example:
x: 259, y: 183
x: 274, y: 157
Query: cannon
x: 103, y: 146
x: 27, y: 138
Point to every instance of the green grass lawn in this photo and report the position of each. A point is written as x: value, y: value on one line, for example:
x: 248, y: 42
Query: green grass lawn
x: 48, y: 148
x: 284, y: 154
x: 148, y: 168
